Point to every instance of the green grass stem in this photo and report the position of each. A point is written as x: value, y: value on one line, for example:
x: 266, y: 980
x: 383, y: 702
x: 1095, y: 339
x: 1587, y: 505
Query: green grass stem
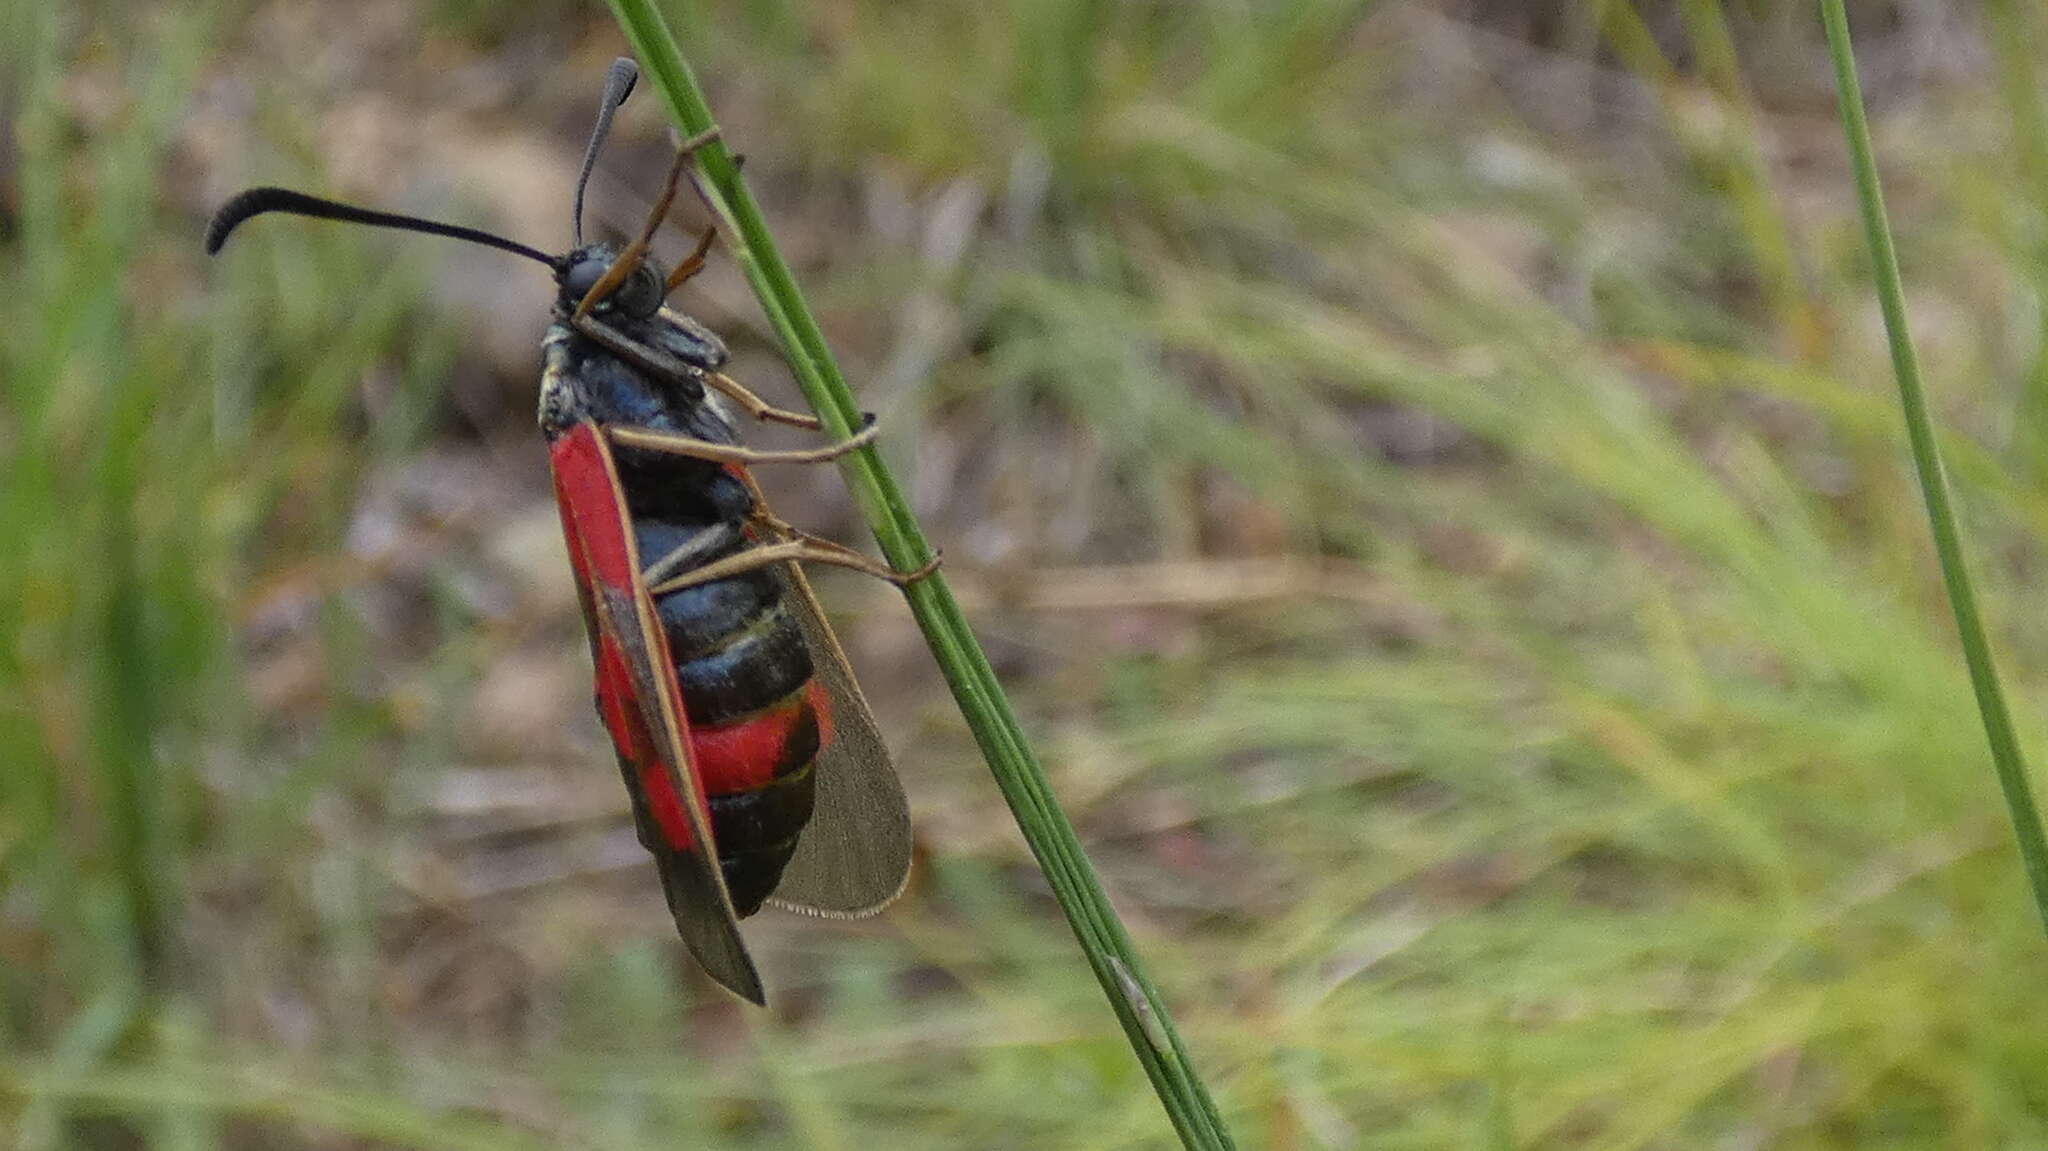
x: 2005, y: 749
x: 1107, y: 945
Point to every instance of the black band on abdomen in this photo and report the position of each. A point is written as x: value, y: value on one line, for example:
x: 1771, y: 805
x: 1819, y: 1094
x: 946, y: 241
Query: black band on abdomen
x: 761, y: 665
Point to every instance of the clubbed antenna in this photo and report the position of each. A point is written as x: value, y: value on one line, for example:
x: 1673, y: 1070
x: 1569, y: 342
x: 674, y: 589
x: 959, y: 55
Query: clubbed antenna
x: 618, y: 84
x: 257, y: 201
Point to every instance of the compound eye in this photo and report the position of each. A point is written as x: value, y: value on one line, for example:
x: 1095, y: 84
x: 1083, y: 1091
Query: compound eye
x: 583, y: 275
x: 641, y: 294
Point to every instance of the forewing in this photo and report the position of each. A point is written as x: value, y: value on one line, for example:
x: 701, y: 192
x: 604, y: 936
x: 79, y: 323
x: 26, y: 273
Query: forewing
x: 854, y: 857
x: 643, y: 707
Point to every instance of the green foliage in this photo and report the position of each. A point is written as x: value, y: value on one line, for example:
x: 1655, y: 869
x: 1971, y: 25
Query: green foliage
x: 151, y: 446
x: 1607, y: 778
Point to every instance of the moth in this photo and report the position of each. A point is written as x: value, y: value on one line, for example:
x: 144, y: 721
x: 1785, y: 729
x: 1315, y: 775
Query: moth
x: 755, y: 767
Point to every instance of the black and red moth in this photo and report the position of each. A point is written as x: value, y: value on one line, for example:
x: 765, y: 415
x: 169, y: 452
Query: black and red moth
x: 754, y: 765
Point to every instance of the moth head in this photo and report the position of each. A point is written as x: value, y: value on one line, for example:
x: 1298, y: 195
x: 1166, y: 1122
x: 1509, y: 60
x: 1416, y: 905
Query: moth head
x: 639, y: 295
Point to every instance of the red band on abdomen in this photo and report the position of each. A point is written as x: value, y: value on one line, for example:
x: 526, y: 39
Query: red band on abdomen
x: 744, y: 756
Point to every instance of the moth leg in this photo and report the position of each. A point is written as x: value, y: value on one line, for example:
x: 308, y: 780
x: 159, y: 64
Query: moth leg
x: 688, y: 554
x: 786, y: 532
x: 774, y: 525
x: 630, y: 258
x: 653, y: 359
x: 820, y: 546
x: 692, y: 263
x: 761, y: 409
x: 801, y: 550
x: 669, y: 367
x: 673, y: 444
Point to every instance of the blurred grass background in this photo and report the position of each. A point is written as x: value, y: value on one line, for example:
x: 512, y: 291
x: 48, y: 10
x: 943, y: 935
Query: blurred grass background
x: 1427, y: 468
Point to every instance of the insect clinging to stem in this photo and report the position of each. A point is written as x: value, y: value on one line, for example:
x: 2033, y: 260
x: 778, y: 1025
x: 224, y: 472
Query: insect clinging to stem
x: 756, y: 770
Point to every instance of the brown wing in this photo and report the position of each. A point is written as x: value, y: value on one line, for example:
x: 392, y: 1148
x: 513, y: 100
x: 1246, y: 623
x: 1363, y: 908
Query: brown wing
x: 854, y: 856
x: 642, y: 706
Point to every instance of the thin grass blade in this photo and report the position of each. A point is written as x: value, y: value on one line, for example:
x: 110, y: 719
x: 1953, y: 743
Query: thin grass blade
x: 1962, y: 597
